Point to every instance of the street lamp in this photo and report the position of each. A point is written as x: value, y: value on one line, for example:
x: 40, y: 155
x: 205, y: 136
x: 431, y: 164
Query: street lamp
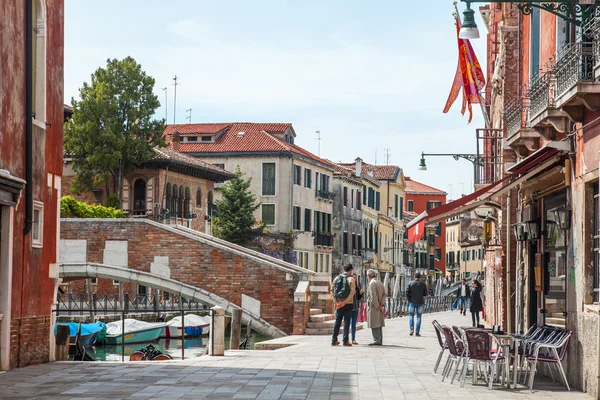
x: 576, y: 12
x: 473, y: 158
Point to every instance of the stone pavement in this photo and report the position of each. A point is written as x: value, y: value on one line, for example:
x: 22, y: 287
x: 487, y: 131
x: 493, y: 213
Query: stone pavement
x: 310, y: 369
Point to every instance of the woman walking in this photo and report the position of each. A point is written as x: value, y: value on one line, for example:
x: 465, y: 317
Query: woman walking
x: 476, y: 303
x: 356, y: 307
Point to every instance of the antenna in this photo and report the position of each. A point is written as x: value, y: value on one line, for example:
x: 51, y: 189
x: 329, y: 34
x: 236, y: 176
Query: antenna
x: 175, y: 101
x: 189, y: 117
x: 166, y: 104
x: 375, y: 157
x: 450, y: 190
x: 387, y: 156
x: 319, y: 141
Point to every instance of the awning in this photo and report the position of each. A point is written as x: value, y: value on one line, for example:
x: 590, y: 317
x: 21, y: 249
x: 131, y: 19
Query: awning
x: 529, y: 167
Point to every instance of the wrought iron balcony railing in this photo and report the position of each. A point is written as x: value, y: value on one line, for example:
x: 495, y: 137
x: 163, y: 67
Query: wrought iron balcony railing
x: 325, y: 194
x: 516, y: 114
x: 324, y: 239
x: 575, y: 63
x: 542, y: 92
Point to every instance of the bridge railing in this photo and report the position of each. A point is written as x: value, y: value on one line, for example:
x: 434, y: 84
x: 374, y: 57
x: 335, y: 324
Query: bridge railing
x: 399, y: 307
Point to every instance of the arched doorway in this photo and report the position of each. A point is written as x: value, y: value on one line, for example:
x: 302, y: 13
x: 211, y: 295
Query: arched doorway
x: 139, y: 197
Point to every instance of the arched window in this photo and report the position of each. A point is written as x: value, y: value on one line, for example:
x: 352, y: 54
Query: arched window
x: 180, y: 202
x: 210, y: 202
x: 199, y: 198
x: 139, y: 197
x: 38, y: 53
x: 187, y: 203
x: 168, y: 197
x: 174, y: 201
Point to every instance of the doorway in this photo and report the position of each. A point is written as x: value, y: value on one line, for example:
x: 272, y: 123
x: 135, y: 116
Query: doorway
x: 139, y: 197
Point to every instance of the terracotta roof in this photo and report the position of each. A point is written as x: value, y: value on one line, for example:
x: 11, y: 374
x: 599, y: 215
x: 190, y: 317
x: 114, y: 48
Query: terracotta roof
x: 415, y: 187
x: 380, y: 172
x: 348, y: 173
x: 241, y: 137
x: 166, y: 154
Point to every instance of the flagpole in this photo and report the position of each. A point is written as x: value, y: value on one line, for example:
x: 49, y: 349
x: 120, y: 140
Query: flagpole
x: 486, y: 117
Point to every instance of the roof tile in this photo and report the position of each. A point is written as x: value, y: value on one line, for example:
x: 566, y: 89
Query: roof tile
x: 415, y: 187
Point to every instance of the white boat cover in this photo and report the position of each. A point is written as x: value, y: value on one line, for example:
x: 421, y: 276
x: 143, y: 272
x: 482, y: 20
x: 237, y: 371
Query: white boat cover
x: 131, y: 325
x: 190, y: 320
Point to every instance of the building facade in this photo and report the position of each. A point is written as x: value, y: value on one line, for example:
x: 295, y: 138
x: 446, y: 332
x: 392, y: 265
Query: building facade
x: 293, y: 186
x: 453, y: 251
x: 31, y: 142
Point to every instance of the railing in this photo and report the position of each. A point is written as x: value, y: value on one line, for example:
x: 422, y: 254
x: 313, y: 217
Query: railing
x: 541, y: 92
x: 575, y: 63
x: 325, y: 194
x: 399, y: 307
x: 488, y: 165
x: 516, y: 114
x: 324, y: 239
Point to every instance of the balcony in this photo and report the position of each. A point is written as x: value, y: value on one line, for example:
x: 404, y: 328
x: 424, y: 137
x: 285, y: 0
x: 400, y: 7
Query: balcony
x: 325, y: 195
x: 488, y: 165
x: 521, y: 137
x: 324, y: 239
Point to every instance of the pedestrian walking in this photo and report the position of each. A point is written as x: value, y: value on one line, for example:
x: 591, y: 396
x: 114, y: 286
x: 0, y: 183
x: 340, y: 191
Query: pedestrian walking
x: 415, y: 293
x: 358, y: 295
x: 375, y: 309
x: 476, y: 303
x: 343, y: 290
x: 462, y: 294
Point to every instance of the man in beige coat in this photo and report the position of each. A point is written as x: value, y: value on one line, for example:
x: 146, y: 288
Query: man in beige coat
x: 375, y: 310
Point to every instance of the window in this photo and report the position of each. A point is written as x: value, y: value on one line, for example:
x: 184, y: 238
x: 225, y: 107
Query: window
x: 207, y: 138
x: 352, y: 198
x: 322, y: 264
x: 192, y: 138
x: 345, y: 196
x: 268, y: 179
x: 97, y: 196
x: 306, y: 260
x: 326, y: 262
x: 473, y: 255
x: 316, y: 266
x: 187, y: 202
x: 377, y: 201
x: 307, y: 219
x: 371, y: 198
x: 199, y: 198
x: 139, y: 197
x: 396, y: 201
x: 359, y: 243
x: 364, y: 196
x: 438, y: 253
x: 209, y: 201
x: 297, y: 218
x: 307, y: 178
x: 220, y: 165
x: 317, y: 182
x: 431, y: 262
x: 37, y: 230
x: 354, y: 246
x: 438, y: 229
x: 345, y: 243
x: 267, y: 214
x: 325, y: 183
x: 410, y: 205
x: 297, y: 175
x: 401, y: 207
x: 358, y: 200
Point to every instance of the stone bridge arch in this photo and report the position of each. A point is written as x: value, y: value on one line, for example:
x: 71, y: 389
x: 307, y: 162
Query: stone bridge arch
x: 193, y: 293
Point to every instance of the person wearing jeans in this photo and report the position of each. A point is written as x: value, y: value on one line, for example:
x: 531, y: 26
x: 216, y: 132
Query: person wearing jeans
x: 463, y: 293
x: 416, y: 292
x: 343, y: 307
x: 356, y: 307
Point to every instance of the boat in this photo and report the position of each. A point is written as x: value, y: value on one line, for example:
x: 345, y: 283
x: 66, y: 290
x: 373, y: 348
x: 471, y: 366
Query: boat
x: 135, y: 331
x: 195, y: 325
x: 89, y: 332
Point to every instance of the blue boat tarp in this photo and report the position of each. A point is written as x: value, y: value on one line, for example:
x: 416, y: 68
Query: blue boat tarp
x: 86, y: 329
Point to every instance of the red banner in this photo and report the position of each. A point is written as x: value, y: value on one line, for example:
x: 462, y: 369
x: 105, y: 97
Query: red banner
x: 416, y: 232
x: 469, y: 76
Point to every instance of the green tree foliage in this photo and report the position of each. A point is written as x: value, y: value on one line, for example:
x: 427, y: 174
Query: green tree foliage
x: 234, y: 220
x: 71, y: 208
x: 113, y: 130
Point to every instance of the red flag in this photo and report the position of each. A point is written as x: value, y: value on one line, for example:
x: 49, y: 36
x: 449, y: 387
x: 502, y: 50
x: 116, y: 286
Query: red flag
x: 416, y: 231
x: 469, y: 76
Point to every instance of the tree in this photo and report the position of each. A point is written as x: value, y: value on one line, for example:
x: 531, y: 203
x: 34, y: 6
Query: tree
x: 113, y: 130
x: 234, y: 220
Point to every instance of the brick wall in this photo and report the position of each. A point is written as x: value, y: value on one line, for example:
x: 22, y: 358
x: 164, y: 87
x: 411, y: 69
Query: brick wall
x: 29, y: 341
x: 217, y: 270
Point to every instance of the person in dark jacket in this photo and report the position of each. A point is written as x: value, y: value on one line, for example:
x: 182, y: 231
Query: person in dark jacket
x: 476, y: 303
x: 358, y: 295
x: 415, y: 293
x: 462, y: 294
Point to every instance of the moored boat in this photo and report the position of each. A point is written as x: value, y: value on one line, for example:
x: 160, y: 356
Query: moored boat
x: 195, y: 325
x: 135, y: 331
x: 89, y: 332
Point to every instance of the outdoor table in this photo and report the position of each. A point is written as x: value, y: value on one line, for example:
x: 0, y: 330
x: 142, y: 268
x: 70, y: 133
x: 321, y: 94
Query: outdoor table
x: 505, y: 341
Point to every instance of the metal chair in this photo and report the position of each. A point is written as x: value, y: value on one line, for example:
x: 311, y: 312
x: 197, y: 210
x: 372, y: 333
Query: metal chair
x: 441, y: 340
x: 554, y: 355
x: 479, y: 351
x: 455, y: 354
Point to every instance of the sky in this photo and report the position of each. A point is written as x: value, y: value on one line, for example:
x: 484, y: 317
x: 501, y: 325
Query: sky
x: 372, y: 77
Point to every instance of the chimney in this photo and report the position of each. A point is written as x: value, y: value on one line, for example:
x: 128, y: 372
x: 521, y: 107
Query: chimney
x: 175, y: 140
x: 358, y: 168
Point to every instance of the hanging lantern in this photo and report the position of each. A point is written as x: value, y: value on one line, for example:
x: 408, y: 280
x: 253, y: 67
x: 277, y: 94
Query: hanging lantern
x: 520, y: 231
x: 487, y: 231
x: 533, y: 230
x: 563, y: 217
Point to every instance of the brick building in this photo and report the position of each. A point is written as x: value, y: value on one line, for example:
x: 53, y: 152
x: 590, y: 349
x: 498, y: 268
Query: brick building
x: 31, y: 141
x: 171, y: 188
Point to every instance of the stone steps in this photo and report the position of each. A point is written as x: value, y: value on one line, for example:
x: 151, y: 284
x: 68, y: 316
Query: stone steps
x: 328, y: 331
x: 322, y: 317
x: 315, y: 311
x: 322, y: 324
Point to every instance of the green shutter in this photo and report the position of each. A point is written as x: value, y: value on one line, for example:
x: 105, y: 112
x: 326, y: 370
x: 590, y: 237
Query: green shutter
x: 377, y: 201
x: 534, y: 55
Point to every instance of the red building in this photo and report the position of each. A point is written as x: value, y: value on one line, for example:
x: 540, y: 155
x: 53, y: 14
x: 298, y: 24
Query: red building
x: 420, y: 198
x: 31, y: 143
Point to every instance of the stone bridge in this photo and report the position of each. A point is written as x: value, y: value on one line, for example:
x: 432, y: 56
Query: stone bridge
x: 146, y: 254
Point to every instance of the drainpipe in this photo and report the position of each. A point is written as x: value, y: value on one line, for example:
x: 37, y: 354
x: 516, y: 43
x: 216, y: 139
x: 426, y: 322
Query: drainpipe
x: 508, y: 302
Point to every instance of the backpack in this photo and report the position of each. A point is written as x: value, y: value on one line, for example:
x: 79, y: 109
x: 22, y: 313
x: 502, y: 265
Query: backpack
x: 342, y: 288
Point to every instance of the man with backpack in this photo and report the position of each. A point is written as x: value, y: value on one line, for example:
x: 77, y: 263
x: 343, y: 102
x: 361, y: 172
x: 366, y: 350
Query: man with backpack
x: 343, y: 289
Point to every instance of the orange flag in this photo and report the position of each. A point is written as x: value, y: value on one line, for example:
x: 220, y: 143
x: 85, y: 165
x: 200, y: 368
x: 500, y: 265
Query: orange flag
x: 469, y: 76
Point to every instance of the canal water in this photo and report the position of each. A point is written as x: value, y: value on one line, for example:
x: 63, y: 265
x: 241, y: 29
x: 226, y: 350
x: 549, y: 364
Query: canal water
x: 194, y: 347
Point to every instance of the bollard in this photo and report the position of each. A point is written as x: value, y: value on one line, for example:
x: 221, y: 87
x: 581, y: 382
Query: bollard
x: 62, y: 342
x: 217, y: 332
x: 236, y: 329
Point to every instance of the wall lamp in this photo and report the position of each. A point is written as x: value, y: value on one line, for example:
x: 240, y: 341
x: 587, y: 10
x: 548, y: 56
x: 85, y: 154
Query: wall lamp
x: 520, y: 231
x: 563, y: 217
x: 533, y: 230
x: 576, y: 12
